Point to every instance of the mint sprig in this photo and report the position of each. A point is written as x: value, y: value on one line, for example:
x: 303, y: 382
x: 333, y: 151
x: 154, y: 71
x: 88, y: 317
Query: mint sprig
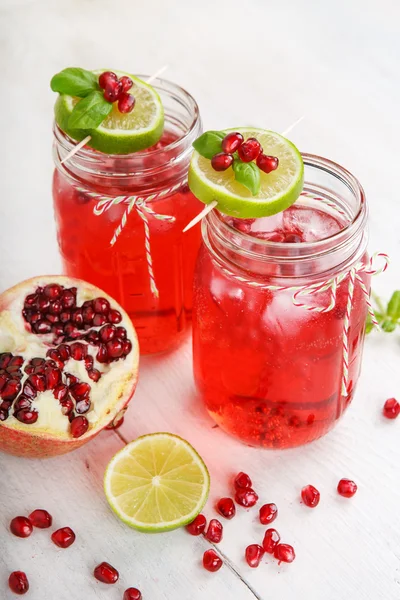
x: 74, y: 81
x: 388, y: 317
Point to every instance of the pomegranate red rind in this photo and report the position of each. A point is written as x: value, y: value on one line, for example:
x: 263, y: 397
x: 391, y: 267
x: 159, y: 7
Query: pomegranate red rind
x: 112, y: 382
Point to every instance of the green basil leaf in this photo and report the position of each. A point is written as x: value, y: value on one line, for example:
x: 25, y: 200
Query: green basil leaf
x: 248, y: 174
x: 393, y: 309
x: 209, y: 143
x: 75, y: 82
x: 388, y: 326
x: 90, y: 112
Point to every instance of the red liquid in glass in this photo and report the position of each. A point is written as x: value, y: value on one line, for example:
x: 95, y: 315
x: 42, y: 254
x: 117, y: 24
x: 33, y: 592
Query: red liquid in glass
x: 122, y: 270
x: 270, y: 373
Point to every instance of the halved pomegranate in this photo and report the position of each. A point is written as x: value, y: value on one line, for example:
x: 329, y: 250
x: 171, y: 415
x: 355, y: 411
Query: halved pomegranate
x: 66, y: 370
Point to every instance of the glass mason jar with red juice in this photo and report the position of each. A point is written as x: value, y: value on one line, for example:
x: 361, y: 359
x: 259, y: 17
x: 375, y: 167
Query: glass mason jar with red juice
x: 120, y: 218
x: 280, y: 311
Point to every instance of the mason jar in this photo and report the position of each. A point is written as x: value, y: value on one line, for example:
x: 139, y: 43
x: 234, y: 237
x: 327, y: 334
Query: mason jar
x: 120, y: 218
x: 280, y: 307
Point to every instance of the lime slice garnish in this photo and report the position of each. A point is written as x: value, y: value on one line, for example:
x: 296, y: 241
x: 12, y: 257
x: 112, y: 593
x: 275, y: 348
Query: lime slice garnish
x: 157, y: 483
x: 279, y: 189
x: 119, y: 133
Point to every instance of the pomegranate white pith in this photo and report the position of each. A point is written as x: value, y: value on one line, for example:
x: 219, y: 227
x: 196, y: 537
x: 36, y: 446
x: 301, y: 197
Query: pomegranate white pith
x: 84, y: 381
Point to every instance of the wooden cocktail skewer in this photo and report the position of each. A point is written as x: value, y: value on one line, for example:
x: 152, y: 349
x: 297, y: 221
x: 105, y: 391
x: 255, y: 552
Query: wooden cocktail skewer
x: 209, y: 207
x: 87, y: 139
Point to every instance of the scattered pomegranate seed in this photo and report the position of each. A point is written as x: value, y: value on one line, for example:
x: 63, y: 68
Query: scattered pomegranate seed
x: 249, y: 150
x: 21, y: 527
x: 79, y: 426
x: 105, y: 573
x: 226, y: 508
x: 242, y: 480
x: 127, y: 83
x: 18, y: 583
x: 268, y: 513
x: 284, y: 553
x: 112, y: 90
x: 132, y: 594
x: 254, y: 554
x: 197, y: 526
x: 267, y: 163
x: 246, y: 497
x: 231, y: 142
x: 211, y: 561
x: 41, y: 518
x: 310, y: 496
x: 64, y: 537
x: 221, y: 161
x: 126, y: 103
x: 391, y: 409
x: 106, y: 77
x: 214, y: 531
x: 347, y: 488
x: 271, y: 540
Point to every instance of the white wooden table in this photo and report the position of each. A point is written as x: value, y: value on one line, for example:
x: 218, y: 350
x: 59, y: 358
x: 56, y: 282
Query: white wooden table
x: 247, y: 62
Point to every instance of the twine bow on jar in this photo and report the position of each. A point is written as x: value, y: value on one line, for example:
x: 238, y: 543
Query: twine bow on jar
x: 141, y: 204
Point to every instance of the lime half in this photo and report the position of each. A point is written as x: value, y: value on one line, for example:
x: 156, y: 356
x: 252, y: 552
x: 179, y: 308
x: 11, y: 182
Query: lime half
x: 279, y: 189
x: 157, y: 483
x: 119, y: 133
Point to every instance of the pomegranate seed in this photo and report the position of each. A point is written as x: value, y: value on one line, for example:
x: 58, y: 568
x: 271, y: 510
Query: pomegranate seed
x: 106, y: 573
x: 231, y: 142
x: 211, y: 561
x: 242, y: 480
x: 68, y: 299
x: 3, y: 414
x: 71, y: 379
x: 93, y: 338
x: 197, y: 526
x: 112, y: 90
x: 16, y: 361
x: 271, y: 540
x: 126, y: 347
x: 35, y: 317
x: 99, y: 320
x: 71, y: 330
x: 249, y: 150
x: 107, y: 333
x: 21, y: 527
x: 53, y: 291
x: 18, y: 582
x: 27, y: 416
x: 80, y: 390
x: 30, y: 300
x: 67, y: 406
x: 115, y: 348
x: 267, y: 163
x: 126, y: 103
x: 64, y: 352
x: 29, y: 390
x: 60, y: 392
x: 64, y: 537
x: 120, y: 333
x: 88, y: 314
x: 132, y: 594
x: 78, y: 351
x: 347, y: 488
x: 106, y: 77
x: 5, y: 359
x: 79, y: 426
x: 391, y: 409
x: 42, y: 327
x: 254, y: 554
x: 65, y: 316
x: 293, y: 238
x: 115, y: 316
x: 82, y: 406
x: 22, y: 402
x: 43, y: 304
x: 41, y: 518
x: 94, y: 374
x: 77, y: 317
x: 11, y: 389
x: 101, y: 306
x: 102, y: 354
x: 284, y: 553
x: 55, y: 307
x: 56, y: 356
x: 214, y: 531
x: 221, y: 161
x: 268, y: 513
x: 89, y: 360
x: 127, y: 83
x: 246, y: 497
x: 38, y: 382
x: 53, y: 378
x: 226, y: 508
x: 310, y: 496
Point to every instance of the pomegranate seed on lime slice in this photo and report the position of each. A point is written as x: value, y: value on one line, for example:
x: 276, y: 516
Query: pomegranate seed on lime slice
x: 346, y: 488
x: 214, y: 531
x: 254, y: 554
x: 132, y: 594
x: 268, y: 513
x: 64, y: 537
x: 197, y: 526
x: 112, y: 90
x: 126, y: 82
x: 284, y: 553
x: 267, y: 163
x: 105, y: 77
x: 126, y: 103
x: 246, y: 497
x: 211, y: 561
x: 21, y: 527
x: 106, y: 573
x: 391, y: 409
x: 271, y: 540
x: 221, y: 161
x: 249, y: 150
x: 18, y: 583
x: 41, y: 518
x: 310, y: 496
x: 231, y: 142
x: 242, y: 480
x: 226, y: 508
